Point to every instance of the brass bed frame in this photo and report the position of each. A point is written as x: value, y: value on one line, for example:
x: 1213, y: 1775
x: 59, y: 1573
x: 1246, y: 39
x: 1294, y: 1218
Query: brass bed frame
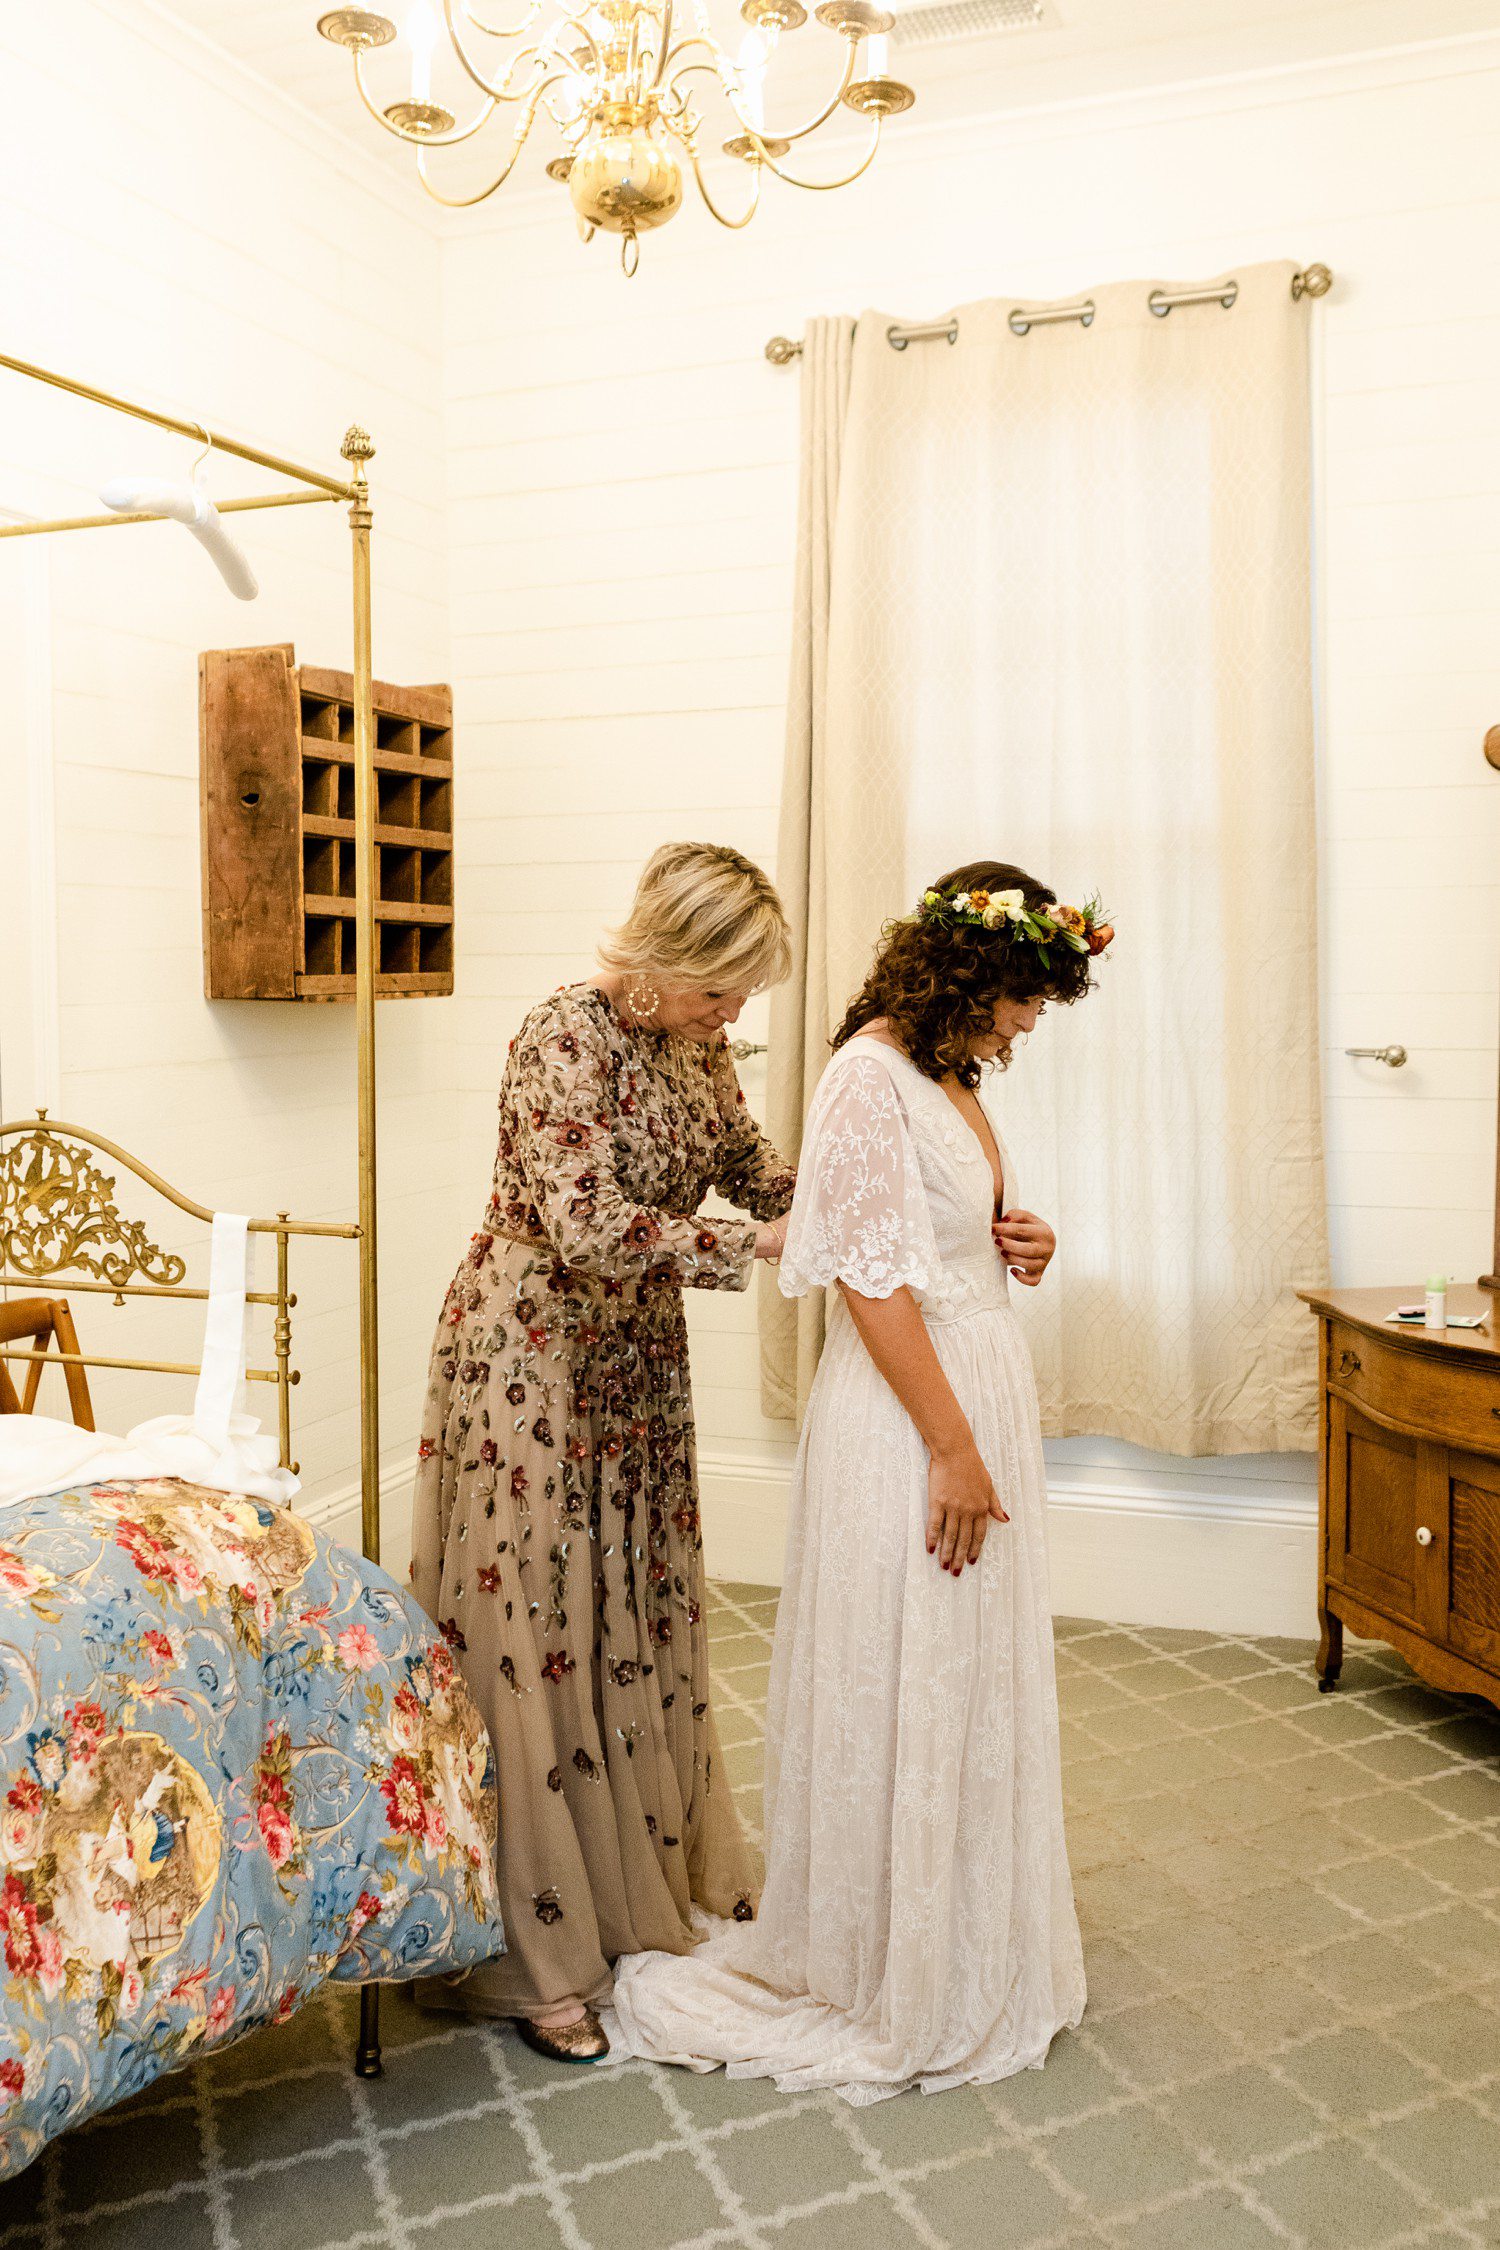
x: 59, y: 1220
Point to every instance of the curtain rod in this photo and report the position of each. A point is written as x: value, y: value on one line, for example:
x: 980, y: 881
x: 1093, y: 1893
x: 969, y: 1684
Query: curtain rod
x: 1313, y: 281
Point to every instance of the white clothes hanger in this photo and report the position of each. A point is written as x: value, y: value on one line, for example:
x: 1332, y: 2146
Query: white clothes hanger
x: 186, y: 501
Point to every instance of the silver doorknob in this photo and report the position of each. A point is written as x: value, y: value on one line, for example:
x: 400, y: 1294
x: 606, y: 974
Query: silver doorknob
x: 1424, y: 1536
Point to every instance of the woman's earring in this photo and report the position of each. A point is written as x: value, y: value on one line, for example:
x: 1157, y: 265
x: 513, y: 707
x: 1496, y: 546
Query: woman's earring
x: 642, y: 999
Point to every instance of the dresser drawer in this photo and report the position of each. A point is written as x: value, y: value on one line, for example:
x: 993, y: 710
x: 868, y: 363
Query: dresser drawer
x: 1456, y: 1401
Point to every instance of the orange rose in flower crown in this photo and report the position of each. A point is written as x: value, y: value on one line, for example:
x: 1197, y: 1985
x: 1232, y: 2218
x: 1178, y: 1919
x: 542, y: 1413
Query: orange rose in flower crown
x: 1080, y: 927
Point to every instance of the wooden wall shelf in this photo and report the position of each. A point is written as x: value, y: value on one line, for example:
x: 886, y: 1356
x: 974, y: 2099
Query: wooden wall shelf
x: 277, y: 773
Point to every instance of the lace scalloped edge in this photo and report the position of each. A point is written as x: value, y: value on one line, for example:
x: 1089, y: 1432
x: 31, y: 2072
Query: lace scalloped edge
x: 801, y: 1284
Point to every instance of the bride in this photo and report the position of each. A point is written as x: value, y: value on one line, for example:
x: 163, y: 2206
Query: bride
x: 917, y: 1926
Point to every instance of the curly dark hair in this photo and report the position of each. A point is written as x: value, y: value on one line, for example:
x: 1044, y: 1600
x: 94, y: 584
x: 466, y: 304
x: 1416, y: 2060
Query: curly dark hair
x: 937, y: 988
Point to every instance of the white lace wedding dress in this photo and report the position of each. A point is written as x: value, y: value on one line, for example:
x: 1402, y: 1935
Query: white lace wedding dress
x: 917, y: 1926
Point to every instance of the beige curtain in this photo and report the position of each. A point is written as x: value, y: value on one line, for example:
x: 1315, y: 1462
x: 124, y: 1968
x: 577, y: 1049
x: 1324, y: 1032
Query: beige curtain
x: 1068, y: 623
x: 807, y: 876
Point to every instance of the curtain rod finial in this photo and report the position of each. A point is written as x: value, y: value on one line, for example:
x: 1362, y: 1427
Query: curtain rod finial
x: 781, y: 351
x: 1316, y: 281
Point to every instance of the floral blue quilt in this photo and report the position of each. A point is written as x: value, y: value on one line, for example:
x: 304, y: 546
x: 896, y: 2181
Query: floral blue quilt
x: 235, y: 1761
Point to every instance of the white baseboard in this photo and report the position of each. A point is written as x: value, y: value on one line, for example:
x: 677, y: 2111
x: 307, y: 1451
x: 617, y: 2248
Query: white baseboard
x: 1222, y: 1567
x: 744, y: 1505
x: 1232, y: 1563
x: 338, y: 1513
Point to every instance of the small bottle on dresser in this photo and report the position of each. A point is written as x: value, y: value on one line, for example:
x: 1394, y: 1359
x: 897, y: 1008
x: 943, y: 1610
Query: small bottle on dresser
x: 1437, y: 1302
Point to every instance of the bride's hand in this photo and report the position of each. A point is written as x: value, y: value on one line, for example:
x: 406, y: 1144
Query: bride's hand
x: 1026, y: 1243
x: 961, y: 1500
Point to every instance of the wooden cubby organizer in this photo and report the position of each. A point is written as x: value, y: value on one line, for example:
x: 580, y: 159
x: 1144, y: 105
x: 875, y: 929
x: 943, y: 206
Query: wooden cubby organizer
x: 277, y: 743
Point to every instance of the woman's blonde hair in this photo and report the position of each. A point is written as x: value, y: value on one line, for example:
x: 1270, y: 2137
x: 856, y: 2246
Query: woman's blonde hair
x: 705, y: 916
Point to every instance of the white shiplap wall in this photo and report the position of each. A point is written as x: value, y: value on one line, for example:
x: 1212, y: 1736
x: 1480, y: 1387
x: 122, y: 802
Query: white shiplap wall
x: 622, y: 467
x: 177, y: 233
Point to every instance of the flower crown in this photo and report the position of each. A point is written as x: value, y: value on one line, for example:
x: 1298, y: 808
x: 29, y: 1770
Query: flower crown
x: 1083, y: 928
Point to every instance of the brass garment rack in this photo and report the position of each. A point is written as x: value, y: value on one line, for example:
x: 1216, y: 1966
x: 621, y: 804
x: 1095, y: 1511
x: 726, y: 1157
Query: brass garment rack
x: 110, y: 1267
x: 1312, y: 281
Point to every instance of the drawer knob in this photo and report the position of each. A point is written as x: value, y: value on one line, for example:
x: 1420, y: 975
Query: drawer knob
x: 1348, y: 1363
x: 1424, y: 1536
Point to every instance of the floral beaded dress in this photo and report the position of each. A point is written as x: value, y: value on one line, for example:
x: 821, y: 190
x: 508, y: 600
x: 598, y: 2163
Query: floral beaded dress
x: 917, y: 1924
x: 556, y: 1535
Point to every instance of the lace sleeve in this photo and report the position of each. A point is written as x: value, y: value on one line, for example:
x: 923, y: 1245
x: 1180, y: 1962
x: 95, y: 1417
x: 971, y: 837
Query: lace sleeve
x: 860, y: 1213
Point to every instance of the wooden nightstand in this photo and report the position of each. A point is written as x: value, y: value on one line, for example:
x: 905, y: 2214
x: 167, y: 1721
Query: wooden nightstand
x: 1409, y: 1487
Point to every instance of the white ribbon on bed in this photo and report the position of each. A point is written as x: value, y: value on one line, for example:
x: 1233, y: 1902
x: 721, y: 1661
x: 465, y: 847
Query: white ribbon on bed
x: 221, y: 1369
x: 214, y: 1445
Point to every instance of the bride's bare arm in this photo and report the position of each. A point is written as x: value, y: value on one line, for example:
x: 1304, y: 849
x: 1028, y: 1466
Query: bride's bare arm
x: 961, y: 1500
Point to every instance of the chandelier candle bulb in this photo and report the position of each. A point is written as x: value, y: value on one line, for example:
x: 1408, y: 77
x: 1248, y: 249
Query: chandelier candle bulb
x: 875, y: 56
x: 751, y: 63
x: 422, y: 39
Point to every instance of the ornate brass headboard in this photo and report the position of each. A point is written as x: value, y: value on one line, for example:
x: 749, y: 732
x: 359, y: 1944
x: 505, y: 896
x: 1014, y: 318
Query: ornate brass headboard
x: 60, y: 1223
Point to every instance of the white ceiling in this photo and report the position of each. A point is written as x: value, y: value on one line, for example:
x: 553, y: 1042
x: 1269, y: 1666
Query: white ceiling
x: 1087, y: 47
x: 279, y: 40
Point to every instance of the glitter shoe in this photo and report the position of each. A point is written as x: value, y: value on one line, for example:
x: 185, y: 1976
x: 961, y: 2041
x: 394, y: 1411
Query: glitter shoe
x: 580, y: 2042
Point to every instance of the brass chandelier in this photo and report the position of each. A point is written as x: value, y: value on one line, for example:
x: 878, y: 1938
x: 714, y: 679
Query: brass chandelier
x: 626, y: 86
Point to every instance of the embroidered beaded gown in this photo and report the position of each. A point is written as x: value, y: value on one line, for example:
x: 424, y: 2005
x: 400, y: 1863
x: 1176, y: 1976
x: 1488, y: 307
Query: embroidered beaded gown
x: 917, y: 1925
x: 556, y: 1535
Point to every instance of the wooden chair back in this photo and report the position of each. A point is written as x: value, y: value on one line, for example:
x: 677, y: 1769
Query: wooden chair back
x: 38, y: 1321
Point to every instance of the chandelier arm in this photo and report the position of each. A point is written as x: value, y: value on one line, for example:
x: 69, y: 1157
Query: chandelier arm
x: 666, y: 43
x: 421, y: 140
x: 495, y: 30
x: 523, y: 127
x: 673, y: 94
x: 678, y: 114
x: 765, y: 132
x: 504, y: 89
x: 470, y: 67
x: 676, y: 106
x: 703, y: 189
x: 539, y: 59
x: 800, y: 132
x: 719, y: 67
x: 685, y: 47
x: 569, y: 127
x: 820, y: 186
x: 574, y: 59
x: 578, y: 18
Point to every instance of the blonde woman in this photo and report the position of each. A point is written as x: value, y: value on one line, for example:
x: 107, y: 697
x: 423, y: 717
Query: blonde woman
x: 556, y: 1536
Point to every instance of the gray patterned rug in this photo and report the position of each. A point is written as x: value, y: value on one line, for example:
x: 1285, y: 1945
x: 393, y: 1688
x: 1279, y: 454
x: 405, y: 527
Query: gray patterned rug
x: 1291, y: 1913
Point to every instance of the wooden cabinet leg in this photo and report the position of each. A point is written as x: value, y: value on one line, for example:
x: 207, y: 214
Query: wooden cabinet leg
x: 1330, y: 1660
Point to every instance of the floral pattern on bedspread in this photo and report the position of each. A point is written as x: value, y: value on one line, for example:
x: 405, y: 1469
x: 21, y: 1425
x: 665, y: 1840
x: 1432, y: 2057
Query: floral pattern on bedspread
x: 235, y: 1761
